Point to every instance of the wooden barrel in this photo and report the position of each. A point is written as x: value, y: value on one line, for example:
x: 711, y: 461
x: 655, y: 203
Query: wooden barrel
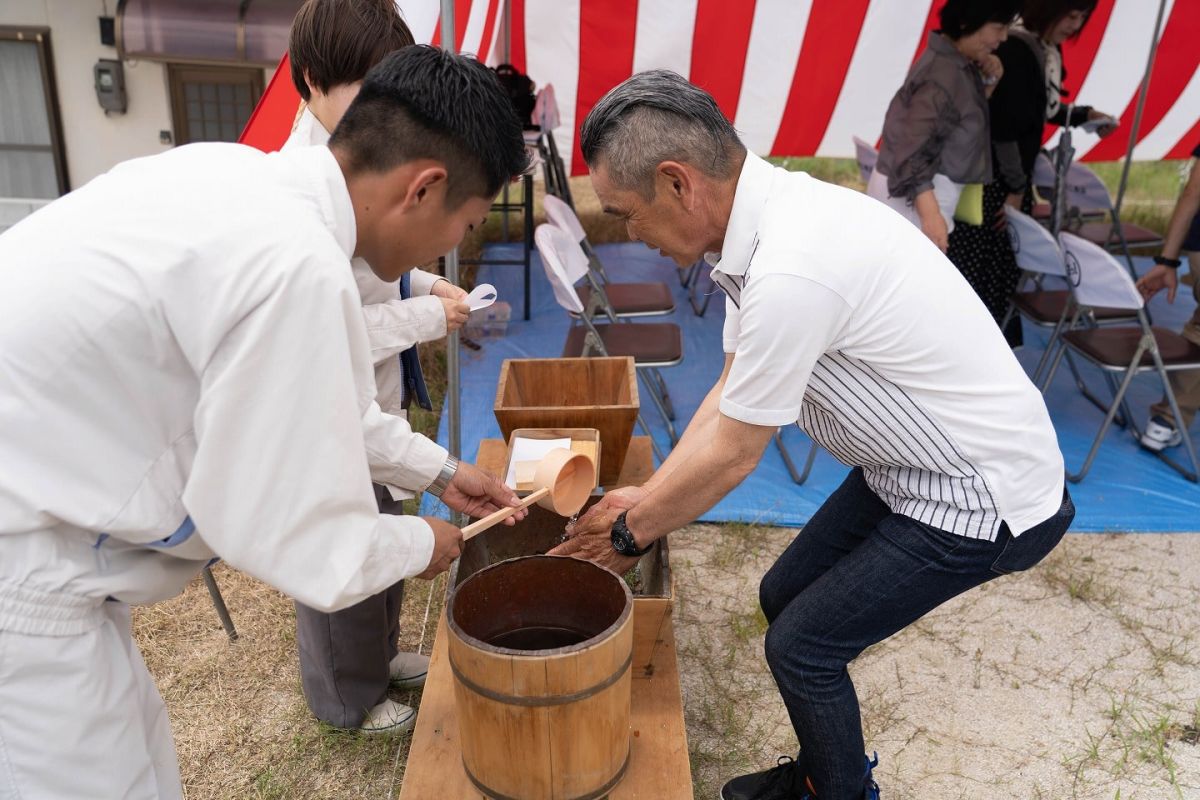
x: 541, y: 648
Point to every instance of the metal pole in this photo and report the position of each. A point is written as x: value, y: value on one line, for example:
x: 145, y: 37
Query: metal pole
x: 454, y: 422
x: 1137, y: 116
x: 506, y: 33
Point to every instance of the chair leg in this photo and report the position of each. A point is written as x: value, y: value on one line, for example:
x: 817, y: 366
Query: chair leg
x: 664, y: 393
x: 1090, y: 395
x: 797, y: 477
x: 653, y: 444
x: 659, y: 405
x: 1060, y: 347
x: 218, y: 601
x: 1108, y: 418
x: 1189, y: 445
x: 1050, y: 345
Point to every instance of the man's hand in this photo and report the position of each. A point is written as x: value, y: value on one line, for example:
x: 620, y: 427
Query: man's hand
x: 477, y: 494
x: 448, y: 290
x: 1156, y: 280
x: 621, y: 499
x: 447, y: 544
x: 591, y: 540
x: 1014, y: 200
x: 456, y: 312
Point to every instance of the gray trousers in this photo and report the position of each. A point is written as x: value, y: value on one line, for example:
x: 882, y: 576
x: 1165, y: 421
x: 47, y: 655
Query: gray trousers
x: 344, y: 656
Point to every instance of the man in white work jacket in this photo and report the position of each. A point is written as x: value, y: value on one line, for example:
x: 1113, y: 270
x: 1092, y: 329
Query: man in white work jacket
x: 349, y: 658
x: 183, y: 375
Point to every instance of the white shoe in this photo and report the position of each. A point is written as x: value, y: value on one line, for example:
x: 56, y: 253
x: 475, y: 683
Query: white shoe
x: 408, y: 670
x: 1160, y: 435
x: 389, y: 717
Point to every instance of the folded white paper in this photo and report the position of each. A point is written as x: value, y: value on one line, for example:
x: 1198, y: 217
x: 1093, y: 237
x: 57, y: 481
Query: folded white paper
x: 530, y: 450
x: 482, y: 296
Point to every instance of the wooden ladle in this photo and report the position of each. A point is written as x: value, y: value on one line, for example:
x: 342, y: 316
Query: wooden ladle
x: 564, y: 480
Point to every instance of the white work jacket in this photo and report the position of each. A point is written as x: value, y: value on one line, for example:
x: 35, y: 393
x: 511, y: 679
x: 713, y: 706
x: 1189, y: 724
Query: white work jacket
x: 405, y: 461
x: 184, y: 372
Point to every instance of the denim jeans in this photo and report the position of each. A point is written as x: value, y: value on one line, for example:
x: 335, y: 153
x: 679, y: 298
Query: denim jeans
x: 856, y: 574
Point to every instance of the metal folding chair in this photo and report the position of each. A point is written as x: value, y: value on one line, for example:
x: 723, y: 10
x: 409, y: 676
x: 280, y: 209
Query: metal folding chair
x: 554, y: 171
x: 1121, y: 351
x: 798, y: 476
x: 866, y: 155
x: 652, y: 346
x: 616, y: 299
x: 1088, y: 212
x: 1039, y: 256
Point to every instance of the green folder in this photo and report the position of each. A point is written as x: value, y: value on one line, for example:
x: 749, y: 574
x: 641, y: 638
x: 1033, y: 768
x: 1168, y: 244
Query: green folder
x: 970, y: 204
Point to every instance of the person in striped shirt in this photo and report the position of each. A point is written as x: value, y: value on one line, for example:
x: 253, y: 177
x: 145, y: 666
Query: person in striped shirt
x: 843, y: 316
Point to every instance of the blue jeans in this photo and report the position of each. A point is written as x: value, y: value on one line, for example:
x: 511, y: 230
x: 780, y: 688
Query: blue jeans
x: 856, y: 574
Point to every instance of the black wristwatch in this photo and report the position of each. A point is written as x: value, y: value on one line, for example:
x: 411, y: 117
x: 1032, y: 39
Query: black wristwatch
x: 622, y: 539
x: 1173, y: 263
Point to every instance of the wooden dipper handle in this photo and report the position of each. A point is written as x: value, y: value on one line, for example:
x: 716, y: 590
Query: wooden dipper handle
x: 481, y: 525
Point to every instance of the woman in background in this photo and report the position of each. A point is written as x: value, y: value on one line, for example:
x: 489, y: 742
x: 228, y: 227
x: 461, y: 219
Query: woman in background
x: 1030, y: 95
x: 936, y: 135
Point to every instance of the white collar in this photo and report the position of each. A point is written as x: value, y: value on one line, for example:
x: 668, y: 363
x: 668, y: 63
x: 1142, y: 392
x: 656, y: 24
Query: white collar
x: 741, y: 232
x: 319, y: 174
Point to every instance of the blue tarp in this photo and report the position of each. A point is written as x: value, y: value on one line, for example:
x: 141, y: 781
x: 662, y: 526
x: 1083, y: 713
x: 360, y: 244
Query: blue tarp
x: 1127, y: 489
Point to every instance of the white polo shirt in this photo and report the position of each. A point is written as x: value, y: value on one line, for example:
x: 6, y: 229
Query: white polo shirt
x: 845, y: 317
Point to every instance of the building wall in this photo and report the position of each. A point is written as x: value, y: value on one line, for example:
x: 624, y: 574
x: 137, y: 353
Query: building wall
x: 96, y: 142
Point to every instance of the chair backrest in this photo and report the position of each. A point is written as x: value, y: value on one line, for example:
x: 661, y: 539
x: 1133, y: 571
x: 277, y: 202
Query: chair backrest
x: 561, y: 258
x: 1043, y: 174
x: 1098, y: 279
x: 545, y: 109
x: 866, y: 155
x: 1033, y: 246
x: 1085, y: 190
x: 561, y: 216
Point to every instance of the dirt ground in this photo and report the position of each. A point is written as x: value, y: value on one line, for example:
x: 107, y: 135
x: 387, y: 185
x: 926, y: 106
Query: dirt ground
x: 1079, y: 679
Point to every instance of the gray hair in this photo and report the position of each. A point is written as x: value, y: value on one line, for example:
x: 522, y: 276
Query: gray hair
x: 658, y: 116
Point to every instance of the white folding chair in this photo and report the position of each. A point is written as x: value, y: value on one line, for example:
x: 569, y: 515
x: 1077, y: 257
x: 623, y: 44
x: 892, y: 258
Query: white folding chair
x: 1039, y: 256
x: 1090, y: 214
x: 653, y: 345
x: 617, y: 299
x: 554, y: 172
x: 866, y: 155
x: 1126, y: 351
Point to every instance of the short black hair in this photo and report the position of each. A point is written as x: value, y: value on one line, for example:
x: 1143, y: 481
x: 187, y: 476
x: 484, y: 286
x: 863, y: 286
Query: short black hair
x: 422, y: 102
x: 1040, y: 15
x: 338, y: 41
x: 961, y: 18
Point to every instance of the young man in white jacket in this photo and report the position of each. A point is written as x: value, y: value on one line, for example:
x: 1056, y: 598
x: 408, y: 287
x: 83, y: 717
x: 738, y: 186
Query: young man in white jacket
x: 349, y: 658
x: 184, y: 371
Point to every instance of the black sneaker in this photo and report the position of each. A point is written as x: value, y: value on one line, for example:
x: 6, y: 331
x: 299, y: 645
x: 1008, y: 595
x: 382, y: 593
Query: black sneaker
x: 781, y: 782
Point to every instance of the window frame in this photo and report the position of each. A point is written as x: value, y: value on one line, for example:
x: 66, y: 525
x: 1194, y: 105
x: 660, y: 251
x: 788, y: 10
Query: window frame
x: 180, y: 74
x: 40, y: 37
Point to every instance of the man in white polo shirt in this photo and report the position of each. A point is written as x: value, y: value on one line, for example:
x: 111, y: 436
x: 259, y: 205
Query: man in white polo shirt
x: 842, y: 316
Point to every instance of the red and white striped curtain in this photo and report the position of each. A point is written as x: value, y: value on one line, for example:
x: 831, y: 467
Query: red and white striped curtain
x: 801, y: 77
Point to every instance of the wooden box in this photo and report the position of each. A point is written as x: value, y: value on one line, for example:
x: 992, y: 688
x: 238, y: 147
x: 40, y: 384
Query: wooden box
x: 583, y: 440
x: 542, y: 530
x: 598, y: 393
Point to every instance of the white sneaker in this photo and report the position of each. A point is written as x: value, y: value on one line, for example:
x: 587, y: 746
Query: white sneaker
x: 389, y: 717
x: 1160, y: 435
x: 408, y: 670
